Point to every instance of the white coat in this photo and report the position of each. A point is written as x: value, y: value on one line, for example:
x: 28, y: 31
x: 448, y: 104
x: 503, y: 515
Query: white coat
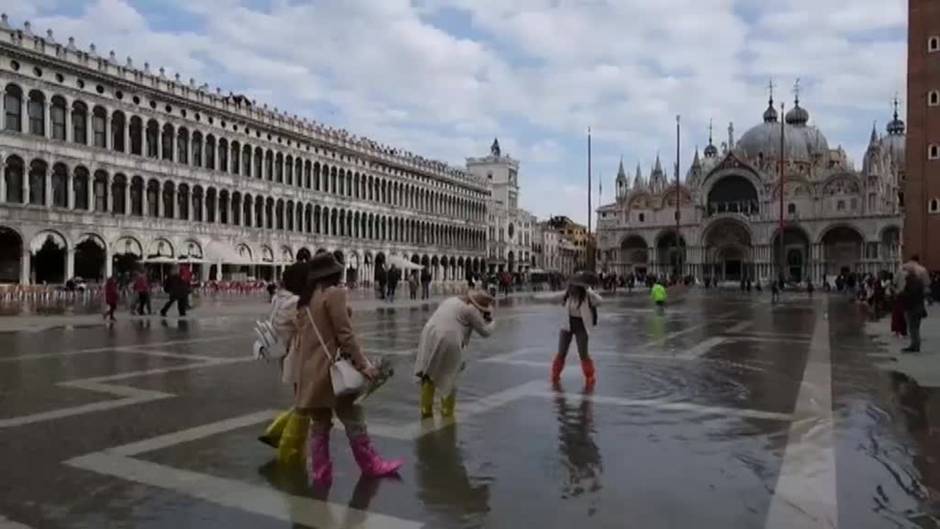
x: 571, y: 307
x: 445, y: 335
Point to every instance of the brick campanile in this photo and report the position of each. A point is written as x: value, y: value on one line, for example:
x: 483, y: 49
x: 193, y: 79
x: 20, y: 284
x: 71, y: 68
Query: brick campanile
x: 922, y: 183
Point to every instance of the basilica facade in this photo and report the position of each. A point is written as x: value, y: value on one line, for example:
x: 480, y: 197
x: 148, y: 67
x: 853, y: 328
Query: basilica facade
x: 835, y: 217
x: 105, y: 162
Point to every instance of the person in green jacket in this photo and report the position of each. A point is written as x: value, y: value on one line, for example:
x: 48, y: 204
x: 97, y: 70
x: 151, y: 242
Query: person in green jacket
x: 658, y: 294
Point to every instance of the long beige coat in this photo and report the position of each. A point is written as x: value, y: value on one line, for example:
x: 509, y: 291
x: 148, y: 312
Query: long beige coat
x: 331, y: 314
x: 443, y: 339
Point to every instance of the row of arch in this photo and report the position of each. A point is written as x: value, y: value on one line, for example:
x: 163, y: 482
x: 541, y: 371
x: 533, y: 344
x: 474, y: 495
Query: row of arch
x: 727, y: 250
x: 115, y: 131
x: 120, y: 194
x: 49, y: 256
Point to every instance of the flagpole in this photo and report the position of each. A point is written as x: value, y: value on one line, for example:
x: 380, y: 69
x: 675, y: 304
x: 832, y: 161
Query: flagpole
x: 590, y: 256
x: 678, y: 268
x: 780, y: 256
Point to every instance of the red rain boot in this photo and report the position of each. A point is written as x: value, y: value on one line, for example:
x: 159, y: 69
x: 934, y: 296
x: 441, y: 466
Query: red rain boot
x: 321, y: 467
x: 557, y: 366
x: 369, y: 462
x: 587, y: 366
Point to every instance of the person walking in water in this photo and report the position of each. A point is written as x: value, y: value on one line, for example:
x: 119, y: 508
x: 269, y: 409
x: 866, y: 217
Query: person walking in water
x: 440, y: 350
x: 324, y: 327
x: 178, y: 290
x: 111, y: 294
x: 580, y: 304
x: 658, y: 295
x: 288, y: 432
x: 142, y: 289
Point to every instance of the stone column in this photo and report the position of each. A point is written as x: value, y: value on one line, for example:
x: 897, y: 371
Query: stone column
x: 26, y: 186
x: 108, y: 141
x: 109, y: 195
x: 159, y: 202
x: 159, y: 140
x: 69, y: 191
x: 204, y: 272
x: 90, y: 188
x: 3, y: 181
x: 46, y: 121
x: 108, y: 264
x: 70, y: 263
x: 24, y: 265
x: 69, y: 137
x: 127, y: 198
x: 47, y: 182
x: 127, y: 135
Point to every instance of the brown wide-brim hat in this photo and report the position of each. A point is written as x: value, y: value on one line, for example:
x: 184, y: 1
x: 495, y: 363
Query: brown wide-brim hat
x: 323, y: 265
x: 481, y: 300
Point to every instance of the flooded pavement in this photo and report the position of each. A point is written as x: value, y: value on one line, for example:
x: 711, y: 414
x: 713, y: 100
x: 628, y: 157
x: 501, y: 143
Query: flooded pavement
x: 724, y: 411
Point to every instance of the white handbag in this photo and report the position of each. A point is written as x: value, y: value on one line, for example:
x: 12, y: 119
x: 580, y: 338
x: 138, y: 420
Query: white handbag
x: 345, y: 378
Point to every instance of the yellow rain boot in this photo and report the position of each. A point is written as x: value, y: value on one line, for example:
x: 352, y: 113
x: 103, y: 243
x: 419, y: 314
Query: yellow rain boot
x: 291, y: 450
x: 448, y: 404
x: 272, y: 435
x: 427, y: 399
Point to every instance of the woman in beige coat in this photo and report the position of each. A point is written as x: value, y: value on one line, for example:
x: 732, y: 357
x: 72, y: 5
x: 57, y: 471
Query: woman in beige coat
x: 324, y: 305
x: 440, y: 350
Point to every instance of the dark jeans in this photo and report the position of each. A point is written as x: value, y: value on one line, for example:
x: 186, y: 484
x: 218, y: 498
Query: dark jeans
x: 913, y: 327
x: 181, y: 305
x: 576, y: 330
x: 425, y: 290
x: 143, y: 301
x: 110, y: 312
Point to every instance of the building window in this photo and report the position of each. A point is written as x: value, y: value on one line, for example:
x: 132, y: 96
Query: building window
x: 933, y: 98
x: 840, y: 205
x: 933, y: 152
x: 97, y: 126
x: 57, y: 116
x: 791, y: 209
x: 642, y: 217
x: 79, y: 123
x: 12, y: 103
x: 934, y: 205
x: 36, y: 110
x: 933, y: 44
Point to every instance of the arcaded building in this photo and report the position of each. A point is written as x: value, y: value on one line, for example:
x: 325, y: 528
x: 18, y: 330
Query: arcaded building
x: 836, y: 217
x: 109, y: 162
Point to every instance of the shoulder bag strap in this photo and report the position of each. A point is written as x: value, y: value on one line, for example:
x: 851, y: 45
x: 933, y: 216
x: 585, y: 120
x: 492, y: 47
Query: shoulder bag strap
x: 319, y: 336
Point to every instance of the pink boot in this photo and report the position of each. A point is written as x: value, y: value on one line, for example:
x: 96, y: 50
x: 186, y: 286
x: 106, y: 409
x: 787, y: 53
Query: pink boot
x: 321, y: 468
x: 369, y: 462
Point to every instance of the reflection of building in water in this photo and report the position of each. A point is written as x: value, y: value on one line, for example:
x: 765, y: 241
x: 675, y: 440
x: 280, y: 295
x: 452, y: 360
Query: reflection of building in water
x: 580, y: 455
x: 836, y: 216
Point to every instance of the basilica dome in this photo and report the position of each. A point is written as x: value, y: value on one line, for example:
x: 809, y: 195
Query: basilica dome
x: 802, y: 142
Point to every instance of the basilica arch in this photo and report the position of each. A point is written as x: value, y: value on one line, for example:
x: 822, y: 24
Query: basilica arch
x: 796, y: 254
x: 843, y: 245
x: 670, y: 253
x: 634, y: 255
x: 732, y: 193
x: 729, y: 250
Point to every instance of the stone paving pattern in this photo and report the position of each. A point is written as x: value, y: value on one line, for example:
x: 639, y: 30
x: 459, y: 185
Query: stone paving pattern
x: 725, y: 411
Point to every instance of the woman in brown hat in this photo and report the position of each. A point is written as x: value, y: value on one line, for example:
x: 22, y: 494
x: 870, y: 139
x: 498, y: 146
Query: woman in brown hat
x: 323, y: 310
x: 442, y: 342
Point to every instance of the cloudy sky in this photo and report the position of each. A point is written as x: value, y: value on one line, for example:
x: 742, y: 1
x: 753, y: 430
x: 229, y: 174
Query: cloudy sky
x: 443, y: 77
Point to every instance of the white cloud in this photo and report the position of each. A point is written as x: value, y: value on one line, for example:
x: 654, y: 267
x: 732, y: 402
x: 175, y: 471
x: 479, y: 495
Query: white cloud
x: 540, y: 74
